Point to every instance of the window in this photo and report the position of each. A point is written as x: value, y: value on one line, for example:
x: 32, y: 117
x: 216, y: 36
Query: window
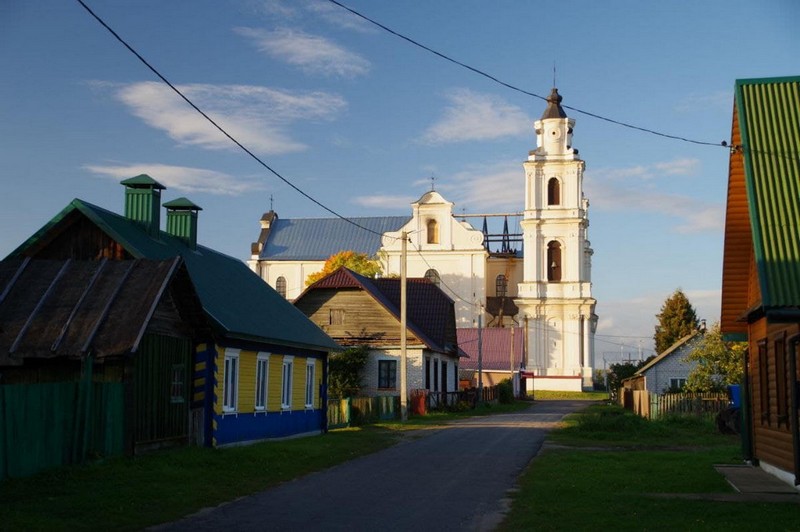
x: 553, y: 261
x: 781, y: 391
x: 230, y: 384
x: 444, y: 376
x: 262, y: 372
x: 553, y: 192
x: 336, y: 316
x: 427, y: 373
x: 763, y: 381
x: 178, y: 385
x: 310, y: 384
x: 433, y: 276
x: 286, y: 389
x: 387, y: 374
x: 677, y: 384
x: 433, y: 232
x: 500, y: 285
x: 280, y: 286
x: 436, y: 375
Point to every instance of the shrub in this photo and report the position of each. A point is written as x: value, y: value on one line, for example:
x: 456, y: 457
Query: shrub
x: 505, y: 392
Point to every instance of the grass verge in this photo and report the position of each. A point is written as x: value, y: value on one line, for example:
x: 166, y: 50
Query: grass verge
x: 606, y: 464
x: 133, y: 493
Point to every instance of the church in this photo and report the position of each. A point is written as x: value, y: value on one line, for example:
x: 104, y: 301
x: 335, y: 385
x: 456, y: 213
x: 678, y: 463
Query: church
x: 542, y: 287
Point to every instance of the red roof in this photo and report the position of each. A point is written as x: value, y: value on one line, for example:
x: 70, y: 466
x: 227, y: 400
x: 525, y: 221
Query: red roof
x: 495, y: 350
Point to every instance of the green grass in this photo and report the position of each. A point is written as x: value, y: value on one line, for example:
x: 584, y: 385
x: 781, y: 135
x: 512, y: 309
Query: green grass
x: 607, y: 465
x: 544, y: 395
x: 132, y: 493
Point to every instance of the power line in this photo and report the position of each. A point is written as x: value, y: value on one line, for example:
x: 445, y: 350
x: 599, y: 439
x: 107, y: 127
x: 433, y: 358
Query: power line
x: 216, y: 125
x: 518, y: 89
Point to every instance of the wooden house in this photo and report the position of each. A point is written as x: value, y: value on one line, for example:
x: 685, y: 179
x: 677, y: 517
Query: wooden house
x: 355, y: 310
x: 259, y: 374
x: 669, y: 371
x: 95, y: 358
x: 761, y: 270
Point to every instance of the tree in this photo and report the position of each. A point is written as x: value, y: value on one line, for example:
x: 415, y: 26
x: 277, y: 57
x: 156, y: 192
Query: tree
x: 719, y: 363
x: 358, y: 262
x: 676, y: 319
x: 344, y: 371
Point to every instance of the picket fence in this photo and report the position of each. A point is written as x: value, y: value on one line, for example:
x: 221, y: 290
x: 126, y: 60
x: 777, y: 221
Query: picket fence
x: 655, y: 406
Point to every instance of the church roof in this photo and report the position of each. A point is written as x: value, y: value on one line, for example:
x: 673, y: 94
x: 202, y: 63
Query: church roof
x: 554, y: 109
x: 319, y: 238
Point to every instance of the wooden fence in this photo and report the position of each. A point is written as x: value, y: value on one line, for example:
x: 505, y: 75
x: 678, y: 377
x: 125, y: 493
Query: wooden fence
x: 655, y: 406
x: 363, y: 410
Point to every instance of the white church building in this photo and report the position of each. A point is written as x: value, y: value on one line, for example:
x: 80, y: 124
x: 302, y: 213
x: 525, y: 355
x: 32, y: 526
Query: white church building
x: 545, y: 286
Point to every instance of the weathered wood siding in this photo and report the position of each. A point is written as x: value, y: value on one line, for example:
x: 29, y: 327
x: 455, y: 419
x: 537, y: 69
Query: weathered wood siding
x: 80, y: 239
x: 365, y: 321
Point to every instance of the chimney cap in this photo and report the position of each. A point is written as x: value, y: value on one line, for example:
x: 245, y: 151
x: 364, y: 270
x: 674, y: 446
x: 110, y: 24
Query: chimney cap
x: 143, y: 181
x: 181, y: 204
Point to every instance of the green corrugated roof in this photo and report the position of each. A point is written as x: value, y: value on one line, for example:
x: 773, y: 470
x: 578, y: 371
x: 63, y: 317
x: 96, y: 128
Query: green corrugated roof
x: 769, y: 120
x: 237, y: 301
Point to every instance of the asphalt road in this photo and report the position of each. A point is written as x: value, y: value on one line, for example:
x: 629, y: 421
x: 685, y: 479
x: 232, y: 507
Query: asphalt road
x: 456, y: 478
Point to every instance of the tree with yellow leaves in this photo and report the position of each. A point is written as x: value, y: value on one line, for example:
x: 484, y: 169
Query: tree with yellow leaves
x: 358, y: 262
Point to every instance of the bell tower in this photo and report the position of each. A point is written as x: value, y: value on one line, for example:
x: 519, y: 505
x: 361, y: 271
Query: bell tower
x: 556, y: 292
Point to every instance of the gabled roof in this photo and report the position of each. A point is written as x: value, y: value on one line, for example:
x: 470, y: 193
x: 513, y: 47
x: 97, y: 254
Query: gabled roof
x: 319, y: 238
x: 677, y: 346
x: 236, y: 301
x: 430, y: 313
x: 763, y: 206
x: 495, y: 348
x: 66, y: 308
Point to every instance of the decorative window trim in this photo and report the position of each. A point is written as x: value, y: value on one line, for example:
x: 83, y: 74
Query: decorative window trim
x: 555, y: 261
x: 433, y: 276
x: 287, y: 376
x: 554, y: 192
x: 310, y: 382
x: 262, y: 382
x: 500, y: 285
x: 178, y: 384
x: 230, y: 384
x: 432, y: 230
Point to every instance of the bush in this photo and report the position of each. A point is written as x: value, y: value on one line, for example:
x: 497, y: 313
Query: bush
x: 505, y: 392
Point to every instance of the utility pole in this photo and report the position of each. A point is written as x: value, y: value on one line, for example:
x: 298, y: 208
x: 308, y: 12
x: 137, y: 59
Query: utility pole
x: 403, y: 328
x: 480, y: 354
x: 511, y: 362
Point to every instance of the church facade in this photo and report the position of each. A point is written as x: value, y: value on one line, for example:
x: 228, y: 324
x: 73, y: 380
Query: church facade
x: 544, y: 286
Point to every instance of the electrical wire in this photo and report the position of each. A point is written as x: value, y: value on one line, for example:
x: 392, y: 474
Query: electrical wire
x: 518, y: 89
x: 216, y: 125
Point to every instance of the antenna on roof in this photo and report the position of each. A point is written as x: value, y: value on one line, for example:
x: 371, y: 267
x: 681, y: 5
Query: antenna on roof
x: 270, y: 202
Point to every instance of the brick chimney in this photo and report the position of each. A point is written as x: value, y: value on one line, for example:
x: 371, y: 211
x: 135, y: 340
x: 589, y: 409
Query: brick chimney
x: 182, y: 220
x: 143, y: 202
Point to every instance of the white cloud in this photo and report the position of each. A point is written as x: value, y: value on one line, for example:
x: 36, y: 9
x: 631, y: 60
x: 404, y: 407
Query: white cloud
x: 339, y: 17
x: 492, y: 187
x: 384, y: 201
x: 632, y: 189
x: 256, y: 116
x: 184, y: 178
x: 312, y: 53
x: 474, y: 116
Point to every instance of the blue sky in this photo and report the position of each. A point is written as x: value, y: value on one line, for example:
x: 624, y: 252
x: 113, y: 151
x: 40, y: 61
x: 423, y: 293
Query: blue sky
x: 361, y: 120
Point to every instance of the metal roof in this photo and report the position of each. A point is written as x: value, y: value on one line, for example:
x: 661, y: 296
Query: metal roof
x: 319, y: 238
x: 236, y: 301
x: 769, y: 120
x: 495, y: 348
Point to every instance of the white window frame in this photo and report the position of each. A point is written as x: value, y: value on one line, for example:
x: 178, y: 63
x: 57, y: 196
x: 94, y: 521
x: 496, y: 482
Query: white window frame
x: 286, y: 382
x: 310, y: 382
x: 230, y: 385
x: 262, y: 382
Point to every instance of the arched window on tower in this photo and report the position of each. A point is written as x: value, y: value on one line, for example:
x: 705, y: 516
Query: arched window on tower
x: 433, y: 232
x: 553, y: 192
x: 501, y: 285
x: 433, y: 276
x: 280, y: 286
x: 553, y: 261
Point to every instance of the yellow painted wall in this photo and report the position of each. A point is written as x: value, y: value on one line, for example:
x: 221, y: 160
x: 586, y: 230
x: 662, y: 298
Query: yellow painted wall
x: 247, y: 382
